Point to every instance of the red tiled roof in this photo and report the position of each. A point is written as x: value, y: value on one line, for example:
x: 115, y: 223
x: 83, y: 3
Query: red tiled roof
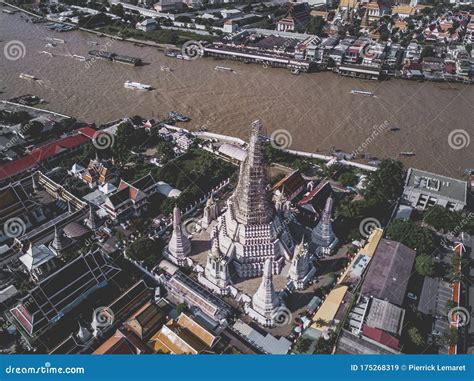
x: 122, y: 185
x: 24, y: 317
x: 37, y: 155
x: 381, y: 337
x: 309, y: 197
x: 88, y: 131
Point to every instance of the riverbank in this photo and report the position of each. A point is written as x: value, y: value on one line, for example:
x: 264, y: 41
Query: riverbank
x: 318, y: 111
x: 116, y: 33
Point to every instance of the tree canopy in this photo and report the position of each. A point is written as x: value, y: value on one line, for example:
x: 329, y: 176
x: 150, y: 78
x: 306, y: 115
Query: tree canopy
x: 386, y: 184
x: 415, y: 337
x: 412, y: 235
x: 424, y: 265
x: 441, y: 218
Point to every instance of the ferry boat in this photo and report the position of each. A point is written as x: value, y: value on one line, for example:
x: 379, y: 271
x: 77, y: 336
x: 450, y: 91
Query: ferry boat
x: 374, y: 163
x: 46, y: 52
x: 183, y: 57
x: 407, y: 153
x: 178, y: 117
x: 136, y: 86
x: 28, y: 76
x: 361, y: 92
x: 80, y: 58
x: 170, y: 53
x: 224, y: 68
x: 27, y: 100
x: 114, y: 57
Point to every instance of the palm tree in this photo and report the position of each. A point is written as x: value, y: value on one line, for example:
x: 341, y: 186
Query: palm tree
x: 321, y: 322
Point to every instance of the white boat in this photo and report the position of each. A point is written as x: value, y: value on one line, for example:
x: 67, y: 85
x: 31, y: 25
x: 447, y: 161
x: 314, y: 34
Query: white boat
x: 53, y: 39
x: 361, y: 92
x: 136, y: 86
x: 80, y: 58
x: 295, y: 71
x: 183, y: 57
x: 223, y: 68
x: 407, y: 153
x: 165, y: 68
x: 46, y: 52
x: 28, y: 76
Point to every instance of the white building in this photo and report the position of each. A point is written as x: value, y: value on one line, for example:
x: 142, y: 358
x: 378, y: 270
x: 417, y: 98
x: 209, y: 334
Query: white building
x: 424, y: 189
x: 147, y: 25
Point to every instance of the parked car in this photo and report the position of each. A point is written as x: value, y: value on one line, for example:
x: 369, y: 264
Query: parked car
x: 412, y: 296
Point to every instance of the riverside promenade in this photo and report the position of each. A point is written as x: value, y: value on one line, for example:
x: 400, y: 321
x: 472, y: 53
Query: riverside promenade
x: 234, y: 140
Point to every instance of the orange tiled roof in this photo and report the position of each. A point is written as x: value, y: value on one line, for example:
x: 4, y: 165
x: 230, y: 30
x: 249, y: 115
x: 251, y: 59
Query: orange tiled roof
x: 185, y: 336
x: 122, y: 342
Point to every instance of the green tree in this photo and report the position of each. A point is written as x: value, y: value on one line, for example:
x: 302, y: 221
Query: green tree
x: 301, y: 165
x: 424, y: 265
x: 117, y: 10
x: 427, y: 51
x: 15, y: 117
x: 415, y: 337
x: 302, y: 345
x: 459, y: 269
x: 321, y: 322
x: 412, y: 235
x: 144, y: 249
x: 185, y: 19
x: 441, y: 218
x: 316, y: 25
x: 324, y: 346
x: 385, y: 185
x: 180, y: 308
x: 449, y: 337
x: 33, y: 128
x: 348, y: 179
x: 165, y: 151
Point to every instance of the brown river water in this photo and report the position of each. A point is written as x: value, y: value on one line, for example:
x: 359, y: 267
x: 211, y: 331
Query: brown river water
x: 318, y: 109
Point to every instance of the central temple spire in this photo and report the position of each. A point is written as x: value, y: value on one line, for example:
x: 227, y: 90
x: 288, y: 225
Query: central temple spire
x: 250, y: 230
x: 253, y: 205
